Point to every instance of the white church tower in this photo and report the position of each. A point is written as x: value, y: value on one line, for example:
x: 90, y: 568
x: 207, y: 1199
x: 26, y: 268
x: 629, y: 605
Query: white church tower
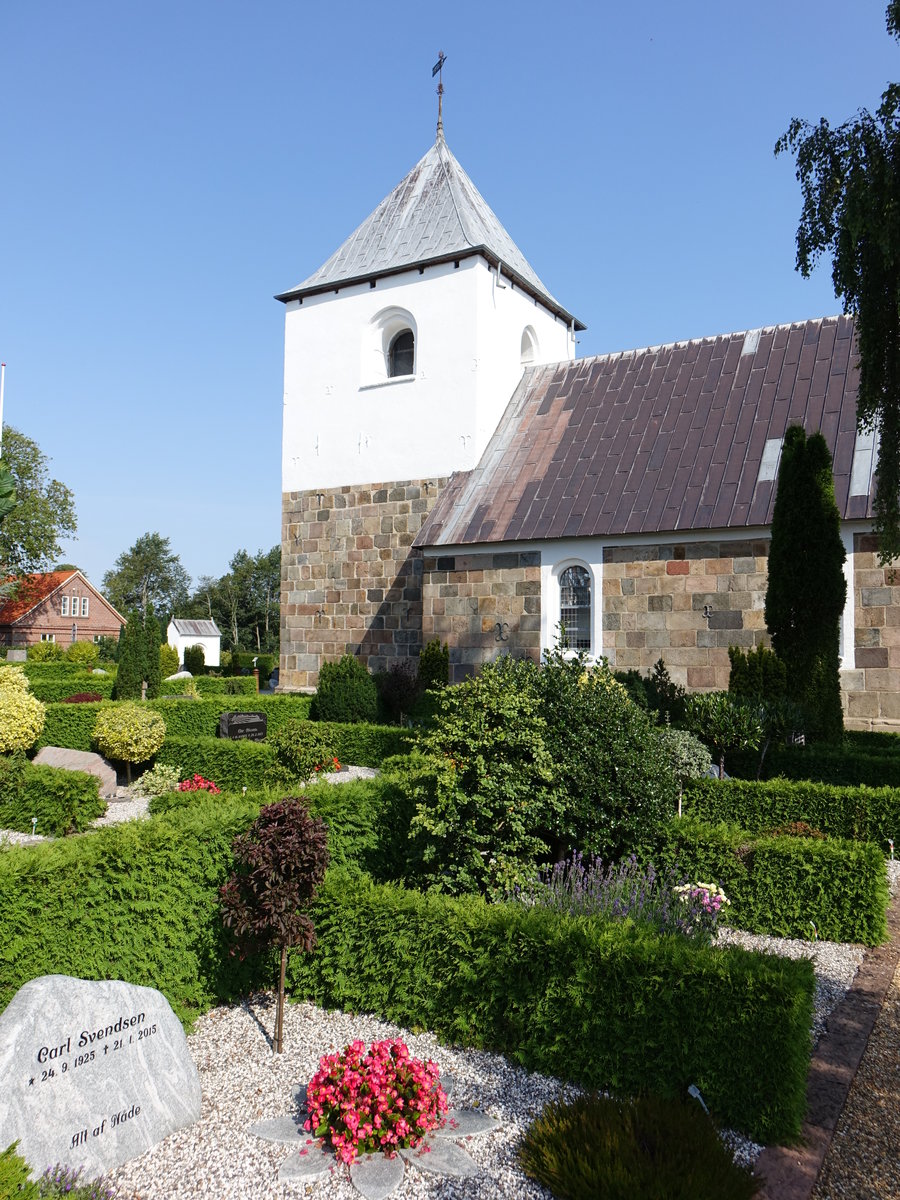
x: 401, y: 353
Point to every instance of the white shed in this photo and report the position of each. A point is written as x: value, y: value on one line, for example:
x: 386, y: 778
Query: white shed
x: 181, y: 634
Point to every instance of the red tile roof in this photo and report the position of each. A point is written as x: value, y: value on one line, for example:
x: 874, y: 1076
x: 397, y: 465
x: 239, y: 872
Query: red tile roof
x: 30, y: 592
x: 662, y: 439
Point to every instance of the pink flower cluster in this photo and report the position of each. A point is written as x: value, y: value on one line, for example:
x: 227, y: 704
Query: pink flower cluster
x: 198, y: 784
x: 380, y: 1099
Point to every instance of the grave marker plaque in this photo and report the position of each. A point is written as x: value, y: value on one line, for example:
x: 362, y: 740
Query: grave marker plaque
x: 243, y: 726
x: 92, y: 1074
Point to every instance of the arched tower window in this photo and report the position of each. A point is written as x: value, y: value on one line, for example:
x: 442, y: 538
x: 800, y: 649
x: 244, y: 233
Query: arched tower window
x: 575, y: 608
x: 402, y: 354
x: 528, y: 349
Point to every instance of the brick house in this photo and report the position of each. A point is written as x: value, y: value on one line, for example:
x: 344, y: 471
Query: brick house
x: 627, y: 496
x: 59, y: 606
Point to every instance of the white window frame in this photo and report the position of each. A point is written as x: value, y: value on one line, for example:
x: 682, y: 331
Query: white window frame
x: 64, y: 606
x: 48, y: 637
x: 85, y: 606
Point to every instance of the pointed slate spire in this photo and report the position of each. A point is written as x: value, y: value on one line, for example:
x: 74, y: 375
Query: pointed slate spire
x: 433, y: 215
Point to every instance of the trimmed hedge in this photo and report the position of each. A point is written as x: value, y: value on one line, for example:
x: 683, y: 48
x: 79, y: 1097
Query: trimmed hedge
x: 601, y: 1005
x: 851, y: 764
x: 597, y: 1004
x: 63, y: 801
x: 52, y: 689
x: 861, y: 813
x: 784, y: 885
x: 210, y: 685
x: 231, y: 765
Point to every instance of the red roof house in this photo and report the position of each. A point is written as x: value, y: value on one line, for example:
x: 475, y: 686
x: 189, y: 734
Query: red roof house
x: 58, y: 606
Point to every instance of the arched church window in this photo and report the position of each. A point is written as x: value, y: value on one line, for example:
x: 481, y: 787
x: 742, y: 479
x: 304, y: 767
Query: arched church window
x: 575, y: 608
x: 402, y: 354
x: 528, y: 350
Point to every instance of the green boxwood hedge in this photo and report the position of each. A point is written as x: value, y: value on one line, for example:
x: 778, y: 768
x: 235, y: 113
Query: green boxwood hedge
x: 855, y: 762
x: 211, y: 685
x: 597, y: 1004
x: 230, y: 765
x: 862, y: 813
x: 784, y: 885
x: 63, y: 801
x: 54, y: 688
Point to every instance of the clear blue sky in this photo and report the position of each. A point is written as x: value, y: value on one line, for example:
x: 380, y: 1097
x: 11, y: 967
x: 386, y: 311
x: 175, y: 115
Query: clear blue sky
x: 166, y: 167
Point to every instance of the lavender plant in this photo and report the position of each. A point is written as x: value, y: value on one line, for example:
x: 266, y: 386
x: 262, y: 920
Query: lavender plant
x: 65, y: 1181
x: 628, y: 891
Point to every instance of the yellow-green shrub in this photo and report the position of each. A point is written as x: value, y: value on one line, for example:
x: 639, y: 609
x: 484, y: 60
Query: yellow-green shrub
x: 85, y: 653
x: 129, y: 732
x: 168, y: 660
x: 21, y: 714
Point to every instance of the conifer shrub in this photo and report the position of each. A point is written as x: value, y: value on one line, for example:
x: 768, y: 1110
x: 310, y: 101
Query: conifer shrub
x: 130, y: 658
x: 757, y: 675
x: 15, y: 1177
x: 86, y: 654
x: 281, y: 861
x: 62, y: 801
x: 168, y: 660
x: 152, y: 661
x: 303, y: 749
x: 434, y: 665
x: 194, y: 659
x: 129, y: 733
x: 398, y: 690
x: 654, y: 1148
x: 21, y: 714
x: 664, y: 696
x: 345, y: 692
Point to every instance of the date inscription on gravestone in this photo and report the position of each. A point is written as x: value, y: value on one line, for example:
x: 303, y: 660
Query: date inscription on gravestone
x: 92, y: 1074
x: 243, y: 726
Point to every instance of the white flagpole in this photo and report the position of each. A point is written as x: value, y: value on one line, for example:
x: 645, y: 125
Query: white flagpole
x: 2, y: 383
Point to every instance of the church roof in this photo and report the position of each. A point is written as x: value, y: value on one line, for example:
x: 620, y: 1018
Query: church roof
x: 674, y: 438
x: 433, y: 215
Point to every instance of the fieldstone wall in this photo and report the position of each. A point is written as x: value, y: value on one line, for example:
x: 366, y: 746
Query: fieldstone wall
x: 872, y: 691
x: 350, y: 581
x: 685, y: 603
x: 483, y: 605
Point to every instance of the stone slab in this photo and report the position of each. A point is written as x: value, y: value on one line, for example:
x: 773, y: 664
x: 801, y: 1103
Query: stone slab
x: 375, y: 1176
x: 466, y: 1122
x: 311, y: 1162
x: 287, y: 1130
x: 17, y: 654
x: 440, y: 1157
x: 80, y: 760
x: 92, y: 1074
x: 243, y: 726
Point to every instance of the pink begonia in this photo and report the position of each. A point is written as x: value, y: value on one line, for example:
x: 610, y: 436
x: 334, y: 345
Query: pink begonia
x: 359, y: 1099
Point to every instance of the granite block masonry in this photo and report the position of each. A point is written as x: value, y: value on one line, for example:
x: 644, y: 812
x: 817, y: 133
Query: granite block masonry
x: 92, y: 1074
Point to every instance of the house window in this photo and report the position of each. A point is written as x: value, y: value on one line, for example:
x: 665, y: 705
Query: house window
x: 575, y: 608
x: 48, y: 637
x: 402, y: 354
x: 64, y: 606
x: 84, y: 606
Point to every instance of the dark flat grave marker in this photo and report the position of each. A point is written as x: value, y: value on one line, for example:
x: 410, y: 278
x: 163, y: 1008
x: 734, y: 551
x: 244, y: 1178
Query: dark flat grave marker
x: 243, y: 726
x: 92, y: 1074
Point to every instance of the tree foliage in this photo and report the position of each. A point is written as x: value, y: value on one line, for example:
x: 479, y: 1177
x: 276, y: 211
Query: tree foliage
x: 850, y: 182
x: 149, y: 573
x: 139, y: 662
x: 44, y: 509
x: 244, y: 602
x: 807, y: 590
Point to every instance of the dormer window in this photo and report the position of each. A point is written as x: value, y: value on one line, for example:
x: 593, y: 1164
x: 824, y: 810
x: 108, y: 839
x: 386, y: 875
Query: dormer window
x: 402, y: 354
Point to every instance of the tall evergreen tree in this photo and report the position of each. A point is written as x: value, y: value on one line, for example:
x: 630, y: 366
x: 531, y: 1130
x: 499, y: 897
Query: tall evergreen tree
x: 807, y: 590
x: 152, y: 673
x: 130, y: 673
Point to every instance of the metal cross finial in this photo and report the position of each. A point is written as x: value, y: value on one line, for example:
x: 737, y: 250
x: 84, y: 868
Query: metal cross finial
x: 437, y: 69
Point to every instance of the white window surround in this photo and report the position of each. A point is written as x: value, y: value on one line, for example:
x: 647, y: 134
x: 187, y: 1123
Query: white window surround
x: 551, y: 573
x: 378, y: 337
x: 85, y: 606
x: 48, y: 637
x: 64, y: 606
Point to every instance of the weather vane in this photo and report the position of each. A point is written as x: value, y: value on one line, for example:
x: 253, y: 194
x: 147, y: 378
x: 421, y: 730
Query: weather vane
x: 437, y: 69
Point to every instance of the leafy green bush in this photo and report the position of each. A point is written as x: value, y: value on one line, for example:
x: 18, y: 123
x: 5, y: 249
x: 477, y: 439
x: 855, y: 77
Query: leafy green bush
x: 785, y: 886
x: 168, y: 660
x: 160, y: 780
x: 861, y: 813
x: 43, y: 652
x: 85, y: 654
x: 63, y: 801
x: 478, y: 827
x: 302, y: 748
x: 239, y: 661
x: 21, y: 714
x: 345, y: 693
x: 194, y: 659
x: 723, y: 723
x: 129, y: 732
x: 652, y: 1148
x: 615, y: 773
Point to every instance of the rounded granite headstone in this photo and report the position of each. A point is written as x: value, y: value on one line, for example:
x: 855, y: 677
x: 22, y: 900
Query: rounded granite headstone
x: 92, y: 1074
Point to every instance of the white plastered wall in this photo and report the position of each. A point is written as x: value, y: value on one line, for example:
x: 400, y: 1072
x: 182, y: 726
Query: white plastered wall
x: 345, y: 423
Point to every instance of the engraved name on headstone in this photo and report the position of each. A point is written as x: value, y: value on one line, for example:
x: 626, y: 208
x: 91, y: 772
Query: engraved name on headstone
x: 92, y: 1074
x: 246, y: 726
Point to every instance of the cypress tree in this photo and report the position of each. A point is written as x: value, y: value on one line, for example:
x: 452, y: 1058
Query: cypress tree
x: 152, y: 640
x: 807, y: 590
x: 130, y: 674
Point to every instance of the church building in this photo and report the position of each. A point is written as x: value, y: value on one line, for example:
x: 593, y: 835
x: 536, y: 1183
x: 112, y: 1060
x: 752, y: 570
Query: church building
x: 451, y: 470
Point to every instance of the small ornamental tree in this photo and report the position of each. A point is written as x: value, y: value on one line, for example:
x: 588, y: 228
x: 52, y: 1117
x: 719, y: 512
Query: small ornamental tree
x: 129, y: 733
x: 281, y: 860
x: 724, y: 723
x: 807, y: 589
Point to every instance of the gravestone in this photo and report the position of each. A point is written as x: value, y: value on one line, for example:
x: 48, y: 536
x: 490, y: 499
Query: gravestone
x: 243, y: 726
x: 92, y: 1074
x: 80, y: 760
x: 17, y: 654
